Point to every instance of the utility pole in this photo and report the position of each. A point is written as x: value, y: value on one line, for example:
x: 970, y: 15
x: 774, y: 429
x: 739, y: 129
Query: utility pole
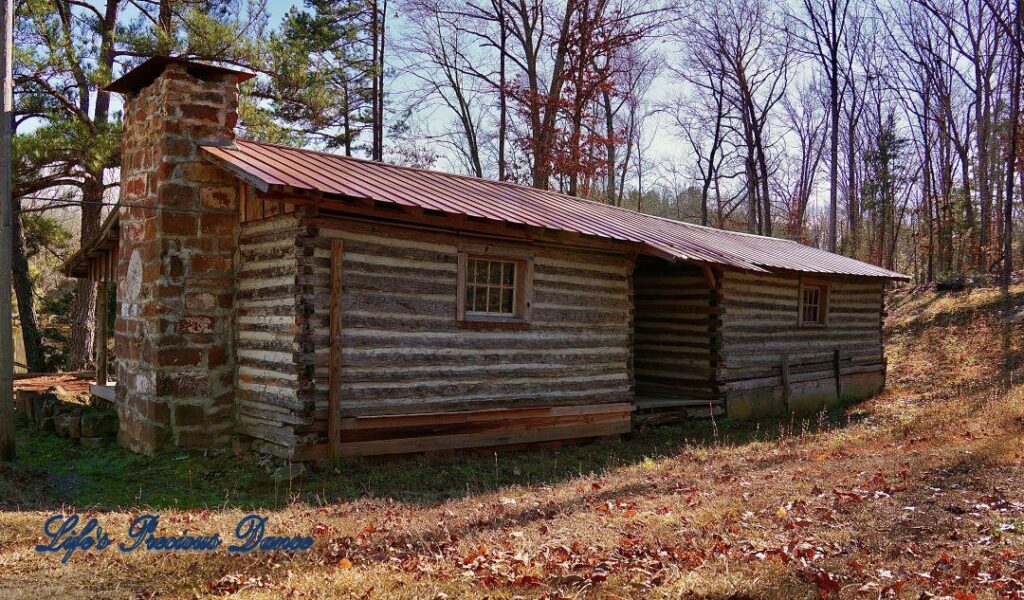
x: 6, y: 222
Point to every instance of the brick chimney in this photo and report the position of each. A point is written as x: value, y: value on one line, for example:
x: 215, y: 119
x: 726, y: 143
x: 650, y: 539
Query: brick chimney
x: 174, y: 338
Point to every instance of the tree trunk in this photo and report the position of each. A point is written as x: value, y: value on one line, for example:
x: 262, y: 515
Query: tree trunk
x: 982, y: 114
x: 80, y: 352
x: 1011, y: 161
x: 502, y: 96
x: 23, y: 291
x: 833, y: 192
x: 752, y: 200
x: 83, y: 326
x: 376, y: 104
x: 166, y: 28
x: 609, y: 146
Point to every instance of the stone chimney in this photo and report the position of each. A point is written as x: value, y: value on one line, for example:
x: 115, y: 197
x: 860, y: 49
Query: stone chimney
x: 174, y: 338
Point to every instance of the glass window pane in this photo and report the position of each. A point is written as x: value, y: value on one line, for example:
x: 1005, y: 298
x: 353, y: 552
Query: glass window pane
x: 491, y: 286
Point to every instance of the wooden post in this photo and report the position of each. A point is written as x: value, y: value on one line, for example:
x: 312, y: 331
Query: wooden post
x: 102, y: 293
x: 839, y: 376
x: 6, y: 224
x: 785, y: 379
x: 334, y: 398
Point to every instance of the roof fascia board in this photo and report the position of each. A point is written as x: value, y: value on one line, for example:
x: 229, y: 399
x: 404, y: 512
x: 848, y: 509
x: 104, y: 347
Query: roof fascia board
x: 242, y: 174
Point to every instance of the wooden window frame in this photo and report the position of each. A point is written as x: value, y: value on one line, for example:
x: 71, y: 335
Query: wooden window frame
x: 522, y: 285
x: 824, y: 299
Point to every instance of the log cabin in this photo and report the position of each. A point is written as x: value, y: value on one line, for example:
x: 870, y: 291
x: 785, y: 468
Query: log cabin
x: 314, y: 306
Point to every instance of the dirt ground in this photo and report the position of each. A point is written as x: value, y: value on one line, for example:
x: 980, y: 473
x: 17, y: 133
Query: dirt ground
x: 917, y: 493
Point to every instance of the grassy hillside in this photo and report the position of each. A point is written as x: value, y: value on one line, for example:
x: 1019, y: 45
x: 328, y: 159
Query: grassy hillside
x: 918, y: 491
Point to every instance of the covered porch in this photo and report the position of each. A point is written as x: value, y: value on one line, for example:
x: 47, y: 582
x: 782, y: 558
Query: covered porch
x: 97, y: 262
x: 676, y: 349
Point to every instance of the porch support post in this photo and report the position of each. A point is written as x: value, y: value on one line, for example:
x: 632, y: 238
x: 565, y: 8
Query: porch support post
x: 101, y: 332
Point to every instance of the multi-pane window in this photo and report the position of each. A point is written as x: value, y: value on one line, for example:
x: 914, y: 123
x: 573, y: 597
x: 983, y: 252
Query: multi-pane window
x: 813, y: 304
x: 491, y: 287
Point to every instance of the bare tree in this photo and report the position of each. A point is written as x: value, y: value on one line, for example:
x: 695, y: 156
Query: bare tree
x: 746, y: 39
x: 636, y: 72
x: 825, y: 26
x: 796, y: 184
x: 436, y: 53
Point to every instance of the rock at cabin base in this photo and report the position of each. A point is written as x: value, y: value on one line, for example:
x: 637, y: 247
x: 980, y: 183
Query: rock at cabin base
x: 42, y: 408
x: 99, y: 425
x: 95, y: 442
x: 68, y: 425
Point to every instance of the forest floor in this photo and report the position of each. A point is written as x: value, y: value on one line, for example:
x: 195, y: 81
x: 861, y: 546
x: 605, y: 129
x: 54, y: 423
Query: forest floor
x: 916, y: 493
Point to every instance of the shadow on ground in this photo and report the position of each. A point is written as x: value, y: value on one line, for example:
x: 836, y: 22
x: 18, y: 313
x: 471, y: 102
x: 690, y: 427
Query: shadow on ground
x: 52, y: 473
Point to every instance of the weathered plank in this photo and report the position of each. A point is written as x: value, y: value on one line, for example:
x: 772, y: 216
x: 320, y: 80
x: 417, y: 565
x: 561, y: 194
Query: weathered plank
x: 335, y: 381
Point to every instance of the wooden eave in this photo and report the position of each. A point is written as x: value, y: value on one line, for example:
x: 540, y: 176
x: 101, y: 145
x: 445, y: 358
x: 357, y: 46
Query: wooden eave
x: 79, y: 265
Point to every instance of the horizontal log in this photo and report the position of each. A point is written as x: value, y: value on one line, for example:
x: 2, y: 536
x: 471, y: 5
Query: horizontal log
x: 509, y: 435
x: 747, y: 384
x: 408, y: 358
x: 394, y: 404
x: 357, y: 373
x: 493, y: 414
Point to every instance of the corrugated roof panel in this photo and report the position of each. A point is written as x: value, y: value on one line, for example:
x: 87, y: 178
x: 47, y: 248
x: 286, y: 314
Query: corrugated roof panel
x: 502, y: 201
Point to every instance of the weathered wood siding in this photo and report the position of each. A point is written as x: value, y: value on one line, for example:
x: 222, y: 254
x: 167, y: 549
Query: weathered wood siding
x: 759, y: 326
x: 403, y: 350
x: 272, y: 389
x: 673, y: 353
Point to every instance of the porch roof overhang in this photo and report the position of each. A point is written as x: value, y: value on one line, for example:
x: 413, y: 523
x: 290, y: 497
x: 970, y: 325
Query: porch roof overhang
x: 96, y: 260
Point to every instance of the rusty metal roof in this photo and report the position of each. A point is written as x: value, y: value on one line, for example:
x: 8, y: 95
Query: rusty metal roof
x: 269, y: 166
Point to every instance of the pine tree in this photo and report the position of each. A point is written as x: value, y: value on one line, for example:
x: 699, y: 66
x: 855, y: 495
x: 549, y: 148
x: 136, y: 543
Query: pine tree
x: 320, y: 91
x: 67, y: 52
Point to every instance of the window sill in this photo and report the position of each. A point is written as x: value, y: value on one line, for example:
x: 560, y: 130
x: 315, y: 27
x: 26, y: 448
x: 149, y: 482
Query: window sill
x: 812, y: 325
x: 493, y: 323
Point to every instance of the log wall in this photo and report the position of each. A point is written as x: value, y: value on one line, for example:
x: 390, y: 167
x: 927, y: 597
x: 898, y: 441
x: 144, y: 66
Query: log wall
x: 760, y: 332
x: 273, y: 387
x: 673, y: 352
x: 411, y: 376
x: 402, y: 349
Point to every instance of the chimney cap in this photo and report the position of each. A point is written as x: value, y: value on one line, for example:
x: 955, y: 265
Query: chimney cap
x: 146, y: 73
